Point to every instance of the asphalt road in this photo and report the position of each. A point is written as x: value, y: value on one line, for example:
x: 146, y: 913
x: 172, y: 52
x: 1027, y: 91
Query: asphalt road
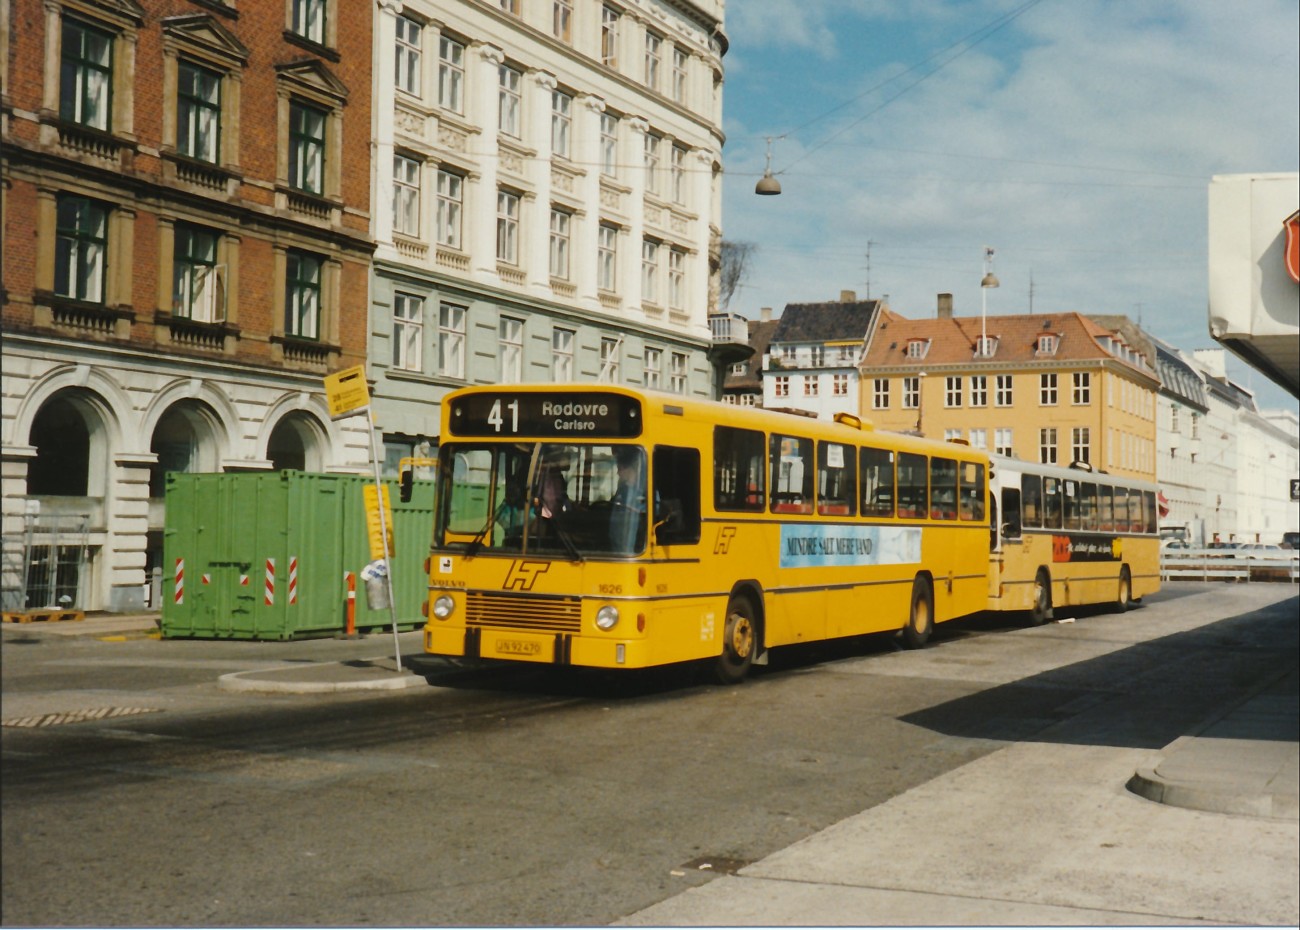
x: 513, y: 797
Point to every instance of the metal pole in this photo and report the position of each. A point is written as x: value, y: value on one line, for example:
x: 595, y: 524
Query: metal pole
x: 383, y: 534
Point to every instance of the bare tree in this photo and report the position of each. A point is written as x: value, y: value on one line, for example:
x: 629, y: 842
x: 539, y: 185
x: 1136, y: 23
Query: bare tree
x: 736, y: 257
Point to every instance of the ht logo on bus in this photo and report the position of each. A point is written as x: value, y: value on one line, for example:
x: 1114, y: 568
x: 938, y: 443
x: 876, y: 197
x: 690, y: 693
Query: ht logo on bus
x: 723, y: 543
x: 523, y: 575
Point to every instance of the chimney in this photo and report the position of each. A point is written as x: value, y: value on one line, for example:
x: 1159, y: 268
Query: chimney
x: 945, y: 306
x: 765, y: 315
x: 848, y: 297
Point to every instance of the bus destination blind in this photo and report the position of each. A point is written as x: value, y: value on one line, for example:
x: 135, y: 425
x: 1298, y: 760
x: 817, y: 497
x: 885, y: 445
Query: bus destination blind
x: 505, y: 414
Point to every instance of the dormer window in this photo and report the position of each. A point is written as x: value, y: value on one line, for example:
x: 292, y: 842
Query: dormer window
x: 1047, y: 343
x: 917, y: 348
x: 986, y: 346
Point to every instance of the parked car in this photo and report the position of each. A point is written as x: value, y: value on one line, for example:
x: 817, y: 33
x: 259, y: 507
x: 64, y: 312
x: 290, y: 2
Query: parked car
x: 1173, y: 544
x: 1291, y: 540
x: 1260, y: 551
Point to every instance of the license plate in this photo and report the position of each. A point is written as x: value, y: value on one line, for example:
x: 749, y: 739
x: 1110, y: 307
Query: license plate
x: 523, y: 647
x: 518, y: 647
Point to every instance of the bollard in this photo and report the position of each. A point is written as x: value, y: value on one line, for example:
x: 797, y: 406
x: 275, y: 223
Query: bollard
x: 351, y: 613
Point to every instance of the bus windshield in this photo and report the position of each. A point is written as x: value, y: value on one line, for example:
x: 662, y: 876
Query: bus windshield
x: 570, y: 500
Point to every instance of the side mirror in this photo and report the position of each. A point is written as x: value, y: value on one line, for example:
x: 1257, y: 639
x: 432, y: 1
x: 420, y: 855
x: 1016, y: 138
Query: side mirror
x: 407, y: 485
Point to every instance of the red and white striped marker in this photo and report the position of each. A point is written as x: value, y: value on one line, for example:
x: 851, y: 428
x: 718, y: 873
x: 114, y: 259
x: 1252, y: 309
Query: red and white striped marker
x: 293, y: 579
x: 179, y: 596
x: 351, y: 579
x: 269, y: 598
x: 205, y: 578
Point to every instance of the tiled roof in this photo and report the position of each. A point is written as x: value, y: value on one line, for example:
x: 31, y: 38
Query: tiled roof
x: 833, y: 321
x: 1177, y: 376
x: 760, y: 335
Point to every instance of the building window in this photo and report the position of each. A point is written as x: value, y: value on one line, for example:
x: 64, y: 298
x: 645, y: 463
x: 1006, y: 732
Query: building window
x: 606, y: 255
x: 811, y: 386
x: 679, y: 75
x: 817, y: 356
x: 1082, y: 387
x: 451, y: 75
x: 510, y: 6
x: 81, y: 249
x: 880, y: 394
x: 559, y: 260
x: 950, y: 434
x: 302, y: 293
x: 406, y: 195
x: 952, y: 391
x: 1047, y: 445
x: 679, y: 175
x: 609, y: 144
x: 1196, y: 426
x: 979, y: 390
x: 562, y: 20
x: 650, y: 271
x: 917, y: 348
x: 1002, y: 442
x: 308, y: 19
x: 561, y: 123
x: 510, y: 333
x: 407, y: 58
x: 195, y: 285
x: 979, y: 439
x: 677, y: 376
x: 507, y: 227
x: 86, y: 75
x: 198, y: 112
x: 408, y: 331
x: 508, y: 100
x: 609, y: 360
x: 1047, y: 390
x: 451, y: 341
x: 1002, y: 396
x: 676, y: 279
x: 653, y: 52
x: 841, y: 385
x: 781, y: 386
x: 1081, y: 446
x: 1047, y: 344
x: 652, y: 372
x: 911, y: 392
x: 651, y: 163
x: 562, y: 341
x: 449, y: 204
x: 307, y: 147
x: 985, y: 346
x: 609, y: 36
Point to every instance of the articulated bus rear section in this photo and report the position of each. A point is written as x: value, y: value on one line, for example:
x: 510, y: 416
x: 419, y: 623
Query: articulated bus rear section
x: 1065, y: 537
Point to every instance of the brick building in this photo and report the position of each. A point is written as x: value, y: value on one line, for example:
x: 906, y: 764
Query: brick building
x: 184, y: 258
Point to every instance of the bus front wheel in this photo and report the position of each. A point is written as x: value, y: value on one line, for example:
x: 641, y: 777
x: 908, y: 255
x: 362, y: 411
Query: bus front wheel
x: 1125, y: 601
x: 739, y: 642
x: 920, y: 620
x: 1041, y: 612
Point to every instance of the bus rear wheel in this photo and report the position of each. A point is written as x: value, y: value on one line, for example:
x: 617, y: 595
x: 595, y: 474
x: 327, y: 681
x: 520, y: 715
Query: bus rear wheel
x: 739, y: 642
x: 1125, y: 601
x: 920, y: 620
x: 1041, y: 612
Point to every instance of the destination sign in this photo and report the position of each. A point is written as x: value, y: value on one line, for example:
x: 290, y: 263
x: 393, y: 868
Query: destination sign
x: 589, y: 414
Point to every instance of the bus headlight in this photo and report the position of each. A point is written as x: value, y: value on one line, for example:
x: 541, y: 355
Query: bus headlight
x: 607, y: 617
x: 443, y: 606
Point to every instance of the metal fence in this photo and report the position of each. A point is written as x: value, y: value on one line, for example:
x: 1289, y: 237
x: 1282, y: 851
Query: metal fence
x: 1228, y: 565
x: 54, y: 558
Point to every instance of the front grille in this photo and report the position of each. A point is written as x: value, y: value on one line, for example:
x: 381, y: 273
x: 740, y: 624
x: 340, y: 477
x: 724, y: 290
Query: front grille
x: 524, y: 612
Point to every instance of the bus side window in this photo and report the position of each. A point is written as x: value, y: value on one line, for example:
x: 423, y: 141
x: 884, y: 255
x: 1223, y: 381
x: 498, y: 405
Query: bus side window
x: 1105, y: 510
x: 792, y: 467
x: 943, y: 489
x: 913, y: 497
x: 1051, y: 503
x: 1088, y: 505
x: 1149, y: 512
x: 972, y: 491
x: 877, y: 482
x: 1031, y: 500
x: 1011, y: 513
x: 836, y: 479
x: 676, y: 495
x: 739, y: 474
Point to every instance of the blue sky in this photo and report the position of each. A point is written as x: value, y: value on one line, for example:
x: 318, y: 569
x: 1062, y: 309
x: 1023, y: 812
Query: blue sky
x: 1075, y: 138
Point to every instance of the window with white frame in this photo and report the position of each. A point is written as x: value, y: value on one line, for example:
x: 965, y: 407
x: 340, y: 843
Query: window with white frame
x: 198, y: 112
x: 562, y: 343
x: 509, y: 6
x: 677, y: 374
x: 840, y: 385
x: 559, y: 249
x: 979, y: 390
x: 911, y: 392
x: 195, y: 279
x: 950, y: 434
x: 308, y: 19
x: 86, y: 75
x: 652, y: 368
x: 307, y: 147
x: 302, y: 294
x: 1081, y: 444
x: 451, y: 341
x: 680, y: 59
x: 609, y: 144
x: 678, y: 166
x: 606, y: 257
x: 811, y: 386
x: 406, y: 62
x: 952, y: 391
x: 408, y: 331
x: 510, y: 334
x: 1002, y: 396
x: 917, y: 348
x: 1196, y: 425
x: 817, y: 356
x: 651, y: 163
x: 509, y: 100
x: 610, y: 363
x: 979, y: 438
x: 561, y: 123
x: 562, y: 20
x: 81, y: 248
x: 1047, y: 445
x: 1047, y: 389
x: 650, y: 271
x: 985, y: 346
x: 507, y: 227
x: 451, y: 75
x: 1002, y: 441
x: 1047, y: 343
x: 609, y: 20
x: 781, y: 386
x: 653, y: 56
x: 1082, y: 387
x: 406, y: 195
x: 676, y: 279
x: 880, y: 394
x: 450, y: 192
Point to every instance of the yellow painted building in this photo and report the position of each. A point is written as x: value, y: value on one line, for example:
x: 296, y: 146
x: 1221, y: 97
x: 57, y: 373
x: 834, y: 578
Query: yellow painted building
x: 1052, y: 388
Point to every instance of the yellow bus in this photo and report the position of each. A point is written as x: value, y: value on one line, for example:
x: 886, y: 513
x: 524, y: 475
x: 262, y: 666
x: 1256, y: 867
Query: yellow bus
x: 1068, y: 537
x: 608, y: 527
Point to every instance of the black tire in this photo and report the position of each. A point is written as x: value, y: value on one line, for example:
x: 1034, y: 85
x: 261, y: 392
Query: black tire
x: 1125, y: 600
x: 739, y: 642
x: 920, y: 619
x: 1041, y: 612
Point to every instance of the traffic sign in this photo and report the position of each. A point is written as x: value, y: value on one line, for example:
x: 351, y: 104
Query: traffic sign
x: 373, y: 527
x: 347, y: 391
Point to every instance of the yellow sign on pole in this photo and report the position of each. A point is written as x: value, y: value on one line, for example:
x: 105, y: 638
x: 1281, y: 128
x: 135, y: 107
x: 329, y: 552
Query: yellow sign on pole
x: 347, y: 391
x: 374, y: 528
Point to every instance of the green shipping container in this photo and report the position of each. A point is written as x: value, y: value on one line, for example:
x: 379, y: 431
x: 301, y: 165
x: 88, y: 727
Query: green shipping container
x: 267, y: 556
